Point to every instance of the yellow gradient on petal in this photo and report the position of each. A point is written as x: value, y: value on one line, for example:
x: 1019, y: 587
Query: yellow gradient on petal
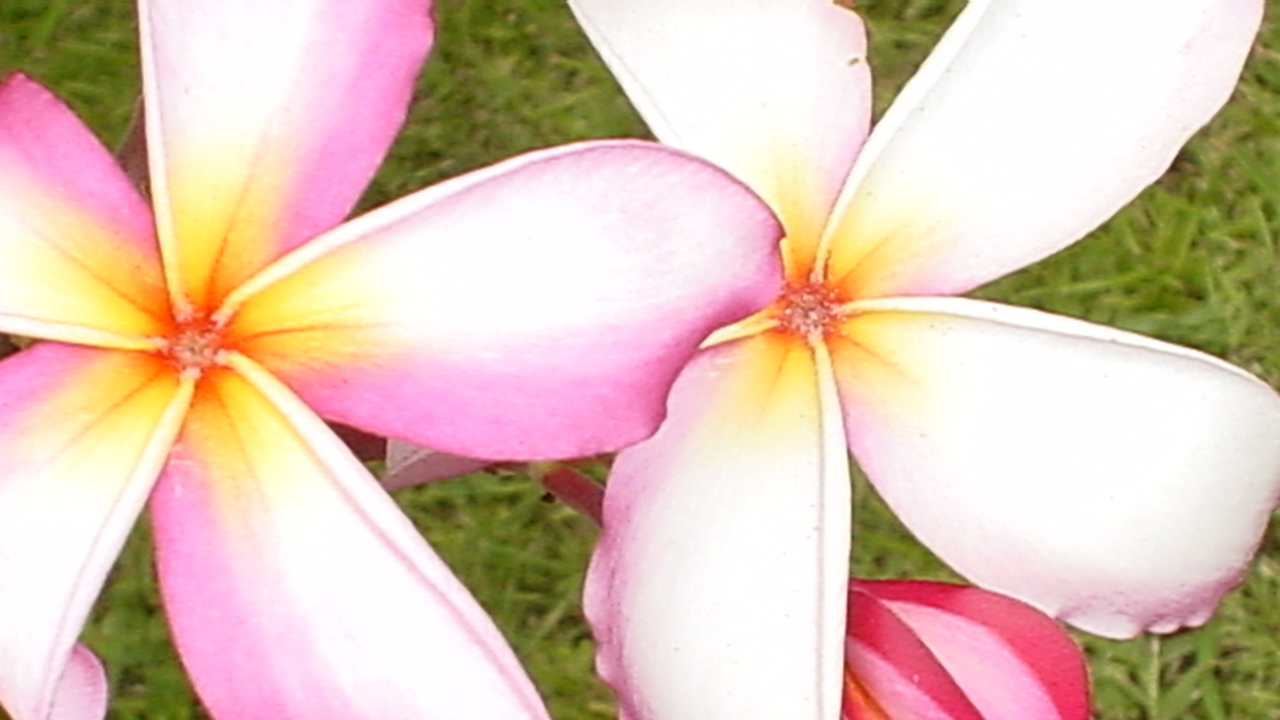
x: 871, y: 252
x: 226, y: 225
x: 743, y: 493
x: 776, y: 384
x: 873, y: 358
x: 259, y: 460
x: 324, y: 312
x: 240, y: 439
x: 793, y: 195
x: 84, y: 434
x: 90, y: 433
x: 73, y: 269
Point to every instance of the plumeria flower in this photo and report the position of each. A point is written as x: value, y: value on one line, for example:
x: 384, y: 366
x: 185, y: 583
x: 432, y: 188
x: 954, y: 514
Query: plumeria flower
x: 920, y: 649
x: 1113, y: 481
x: 536, y: 308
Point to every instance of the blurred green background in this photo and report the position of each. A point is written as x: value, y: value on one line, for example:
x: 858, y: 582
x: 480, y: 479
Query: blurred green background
x: 1193, y: 261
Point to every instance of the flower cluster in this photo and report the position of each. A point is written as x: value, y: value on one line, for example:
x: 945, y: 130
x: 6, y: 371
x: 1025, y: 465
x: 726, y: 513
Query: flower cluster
x: 1053, y: 460
x: 734, y: 312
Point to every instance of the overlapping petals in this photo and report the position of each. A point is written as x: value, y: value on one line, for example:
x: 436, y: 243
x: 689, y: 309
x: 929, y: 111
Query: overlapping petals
x: 778, y: 92
x: 89, y: 269
x: 1029, y: 125
x: 265, y: 122
x: 409, y: 464
x: 296, y: 588
x: 1063, y: 461
x: 552, y: 289
x: 84, y: 432
x: 82, y: 690
x: 472, y: 293
x: 752, y: 448
x: 935, y: 650
x: 1057, y: 461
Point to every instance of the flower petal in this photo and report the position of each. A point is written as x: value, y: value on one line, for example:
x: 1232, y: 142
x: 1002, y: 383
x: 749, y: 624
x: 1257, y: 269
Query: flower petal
x: 83, y: 434
x: 1011, y: 661
x: 412, y: 465
x: 777, y: 92
x: 82, y: 690
x: 536, y: 309
x: 81, y: 256
x: 265, y: 121
x: 891, y: 673
x: 718, y: 587
x: 1031, y: 124
x: 296, y: 588
x: 1061, y: 462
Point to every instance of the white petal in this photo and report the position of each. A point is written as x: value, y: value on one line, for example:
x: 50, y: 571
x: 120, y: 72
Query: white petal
x: 718, y: 588
x: 1031, y: 124
x: 775, y: 91
x: 1119, y: 483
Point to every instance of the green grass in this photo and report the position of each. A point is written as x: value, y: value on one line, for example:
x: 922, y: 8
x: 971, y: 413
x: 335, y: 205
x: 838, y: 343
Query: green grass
x: 1193, y: 261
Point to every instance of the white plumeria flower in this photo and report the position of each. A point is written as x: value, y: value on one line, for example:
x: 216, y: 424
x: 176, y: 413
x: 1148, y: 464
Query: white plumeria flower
x: 1117, y: 482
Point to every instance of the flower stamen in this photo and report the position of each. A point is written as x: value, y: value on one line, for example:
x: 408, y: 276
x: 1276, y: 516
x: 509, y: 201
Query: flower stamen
x: 196, y: 344
x: 811, y: 310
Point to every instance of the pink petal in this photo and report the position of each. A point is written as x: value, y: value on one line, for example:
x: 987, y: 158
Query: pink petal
x: 718, y: 588
x: 82, y: 690
x: 1030, y: 125
x: 539, y: 308
x: 83, y: 434
x: 778, y: 92
x: 295, y: 587
x: 1011, y: 661
x: 266, y: 120
x: 80, y: 255
x: 892, y: 673
x: 1061, y: 462
x: 412, y: 465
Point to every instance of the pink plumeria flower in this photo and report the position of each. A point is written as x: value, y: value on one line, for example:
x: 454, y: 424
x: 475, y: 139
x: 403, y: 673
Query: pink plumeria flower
x: 536, y: 308
x: 1116, y: 482
x: 919, y: 649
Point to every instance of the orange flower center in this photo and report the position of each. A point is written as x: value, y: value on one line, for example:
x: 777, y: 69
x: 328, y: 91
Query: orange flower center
x: 196, y: 344
x: 811, y: 310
